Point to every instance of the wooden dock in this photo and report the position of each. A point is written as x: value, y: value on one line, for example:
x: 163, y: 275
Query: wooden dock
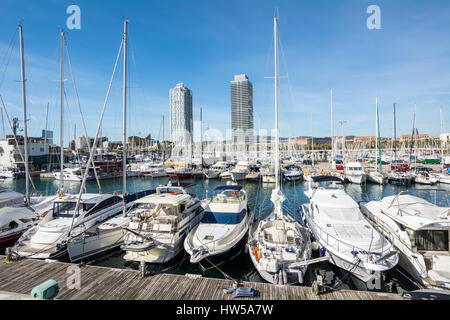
x: 101, y: 283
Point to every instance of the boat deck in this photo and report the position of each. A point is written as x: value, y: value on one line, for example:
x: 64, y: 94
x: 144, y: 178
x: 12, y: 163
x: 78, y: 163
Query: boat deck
x: 101, y: 283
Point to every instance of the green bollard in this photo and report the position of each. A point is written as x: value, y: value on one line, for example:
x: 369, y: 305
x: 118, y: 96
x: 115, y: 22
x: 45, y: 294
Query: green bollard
x: 47, y: 290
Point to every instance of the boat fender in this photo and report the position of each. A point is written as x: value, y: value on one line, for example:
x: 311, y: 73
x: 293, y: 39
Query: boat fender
x: 315, y: 246
x: 284, y: 273
x: 47, y: 290
x: 256, y: 254
x: 300, y: 277
x: 275, y: 277
x: 322, y: 252
x: 280, y: 278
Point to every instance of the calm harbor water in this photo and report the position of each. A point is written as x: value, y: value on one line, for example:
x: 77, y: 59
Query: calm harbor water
x: 259, y: 201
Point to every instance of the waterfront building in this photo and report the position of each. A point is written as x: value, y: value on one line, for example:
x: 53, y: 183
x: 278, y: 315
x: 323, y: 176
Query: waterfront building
x: 242, y: 112
x: 181, y: 119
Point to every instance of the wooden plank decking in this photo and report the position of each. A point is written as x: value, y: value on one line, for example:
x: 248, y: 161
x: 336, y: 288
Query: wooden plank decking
x: 101, y: 283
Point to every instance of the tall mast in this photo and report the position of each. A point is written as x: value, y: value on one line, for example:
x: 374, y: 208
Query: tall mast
x: 395, y: 136
x: 312, y: 141
x: 376, y: 132
x: 332, y: 126
x: 164, y: 146
x: 24, y: 101
x: 61, y: 133
x: 442, y: 131
x: 379, y: 140
x: 124, y: 141
x: 201, y: 139
x: 277, y: 164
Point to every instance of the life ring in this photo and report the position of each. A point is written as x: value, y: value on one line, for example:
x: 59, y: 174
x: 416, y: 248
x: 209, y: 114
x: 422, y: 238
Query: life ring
x: 234, y: 193
x: 256, y: 254
x: 173, y: 193
x: 116, y: 193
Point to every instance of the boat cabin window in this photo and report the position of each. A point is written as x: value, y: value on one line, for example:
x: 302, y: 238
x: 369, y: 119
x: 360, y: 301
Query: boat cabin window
x: 432, y: 240
x: 65, y: 209
x: 104, y: 204
x: 223, y: 217
x: 10, y: 226
x: 145, y: 206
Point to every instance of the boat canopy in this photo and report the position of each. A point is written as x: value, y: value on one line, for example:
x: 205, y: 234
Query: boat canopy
x: 326, y: 178
x: 229, y: 187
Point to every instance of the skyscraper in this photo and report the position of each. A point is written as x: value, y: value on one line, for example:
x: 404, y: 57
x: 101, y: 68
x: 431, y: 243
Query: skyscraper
x: 241, y: 110
x: 181, y: 122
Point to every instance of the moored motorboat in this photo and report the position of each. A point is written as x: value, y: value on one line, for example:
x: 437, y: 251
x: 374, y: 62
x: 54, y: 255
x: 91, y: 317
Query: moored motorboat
x: 222, y: 232
x: 338, y: 225
x: 420, y: 232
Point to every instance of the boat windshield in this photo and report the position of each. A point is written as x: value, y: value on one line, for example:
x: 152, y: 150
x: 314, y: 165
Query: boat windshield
x: 228, y: 196
x: 432, y: 240
x: 65, y: 209
x: 223, y: 217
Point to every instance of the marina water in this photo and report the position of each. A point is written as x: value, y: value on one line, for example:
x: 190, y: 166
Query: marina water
x: 241, y: 268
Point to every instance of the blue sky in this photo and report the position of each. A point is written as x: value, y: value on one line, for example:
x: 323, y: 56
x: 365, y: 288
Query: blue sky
x: 203, y: 43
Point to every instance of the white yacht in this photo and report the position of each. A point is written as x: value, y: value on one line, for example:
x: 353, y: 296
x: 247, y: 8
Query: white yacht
x: 61, y: 223
x: 239, y: 172
x: 10, y: 173
x: 155, y: 171
x: 107, y: 236
x: 338, y: 225
x: 424, y: 175
x: 420, y: 232
x: 71, y: 174
x: 160, y: 223
x: 216, y: 170
x: 14, y: 221
x: 222, y: 232
x: 443, y: 178
x: 374, y: 176
x: 293, y: 173
x: 355, y: 173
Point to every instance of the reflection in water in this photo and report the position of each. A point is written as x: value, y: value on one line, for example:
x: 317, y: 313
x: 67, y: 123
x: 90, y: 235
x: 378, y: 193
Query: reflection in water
x: 259, y: 202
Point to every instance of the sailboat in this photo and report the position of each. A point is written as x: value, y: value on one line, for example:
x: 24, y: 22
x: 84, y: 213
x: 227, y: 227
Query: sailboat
x: 444, y: 176
x: 279, y: 246
x: 16, y: 216
x: 377, y: 175
x: 69, y: 228
x: 397, y: 175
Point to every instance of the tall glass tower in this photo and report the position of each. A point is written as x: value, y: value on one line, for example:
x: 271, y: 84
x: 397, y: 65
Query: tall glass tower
x: 181, y: 121
x: 241, y: 112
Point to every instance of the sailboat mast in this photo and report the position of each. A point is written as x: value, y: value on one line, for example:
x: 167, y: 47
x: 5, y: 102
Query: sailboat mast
x: 442, y: 131
x: 24, y: 100
x: 312, y: 141
x: 164, y: 145
x: 376, y: 132
x: 379, y: 140
x: 61, y: 133
x: 332, y: 126
x: 201, y: 139
x: 124, y: 141
x: 277, y: 158
x: 395, y: 136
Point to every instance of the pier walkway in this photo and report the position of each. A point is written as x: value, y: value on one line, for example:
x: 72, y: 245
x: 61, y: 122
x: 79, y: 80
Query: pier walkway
x: 101, y: 283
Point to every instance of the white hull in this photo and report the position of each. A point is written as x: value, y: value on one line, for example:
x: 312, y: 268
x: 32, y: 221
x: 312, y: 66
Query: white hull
x: 375, y: 177
x: 212, y: 174
x: 357, y: 179
x: 238, y: 176
x: 85, y: 247
x: 159, y: 254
